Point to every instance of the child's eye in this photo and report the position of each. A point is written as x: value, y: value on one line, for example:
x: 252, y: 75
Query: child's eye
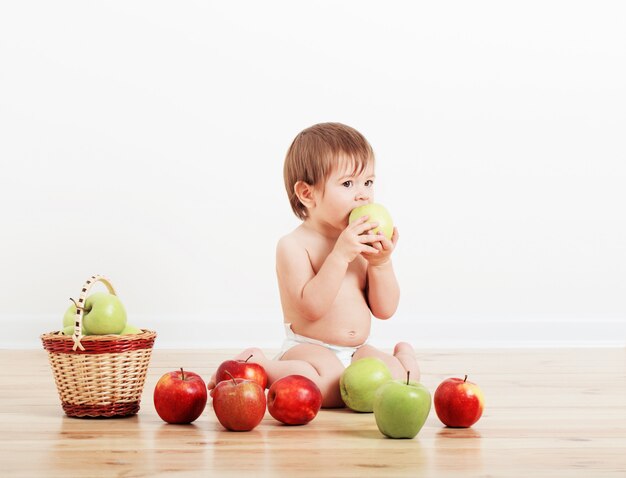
x: 369, y: 182
x: 347, y: 184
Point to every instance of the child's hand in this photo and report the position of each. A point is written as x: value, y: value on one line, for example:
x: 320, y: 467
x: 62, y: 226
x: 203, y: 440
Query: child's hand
x: 353, y: 240
x: 211, y: 385
x: 384, y: 247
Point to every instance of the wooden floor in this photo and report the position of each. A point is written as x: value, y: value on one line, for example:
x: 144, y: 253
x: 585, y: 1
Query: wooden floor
x: 558, y: 412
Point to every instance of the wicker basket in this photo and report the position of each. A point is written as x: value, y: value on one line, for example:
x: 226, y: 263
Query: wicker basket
x: 98, y: 375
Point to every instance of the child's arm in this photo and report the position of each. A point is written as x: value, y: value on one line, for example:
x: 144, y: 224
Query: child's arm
x: 312, y: 293
x: 383, y: 292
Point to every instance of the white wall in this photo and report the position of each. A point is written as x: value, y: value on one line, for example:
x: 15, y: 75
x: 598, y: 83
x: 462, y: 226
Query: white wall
x: 145, y: 140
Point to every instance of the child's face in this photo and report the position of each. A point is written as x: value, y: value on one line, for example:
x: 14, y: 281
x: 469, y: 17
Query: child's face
x: 343, y: 191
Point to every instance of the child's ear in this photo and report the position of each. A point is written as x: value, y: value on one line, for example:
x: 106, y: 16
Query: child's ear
x: 305, y: 193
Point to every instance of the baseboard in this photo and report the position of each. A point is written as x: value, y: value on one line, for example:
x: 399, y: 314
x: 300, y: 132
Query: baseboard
x: 266, y: 331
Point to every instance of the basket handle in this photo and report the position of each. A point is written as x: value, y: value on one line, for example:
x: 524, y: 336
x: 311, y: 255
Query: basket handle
x: 80, y: 306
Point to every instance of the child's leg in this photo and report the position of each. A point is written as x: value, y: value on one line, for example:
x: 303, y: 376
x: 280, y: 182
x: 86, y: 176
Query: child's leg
x: 313, y: 361
x: 402, y: 360
x: 317, y: 363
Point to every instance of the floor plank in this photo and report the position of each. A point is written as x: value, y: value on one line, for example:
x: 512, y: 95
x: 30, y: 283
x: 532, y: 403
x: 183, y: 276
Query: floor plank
x: 549, y: 412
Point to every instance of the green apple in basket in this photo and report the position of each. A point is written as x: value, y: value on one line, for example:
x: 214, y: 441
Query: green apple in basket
x: 68, y: 321
x: 104, y: 314
x: 130, y: 330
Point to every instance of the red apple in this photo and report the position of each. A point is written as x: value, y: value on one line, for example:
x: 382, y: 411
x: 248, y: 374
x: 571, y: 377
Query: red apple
x: 180, y: 397
x: 239, y: 404
x: 242, y: 369
x: 294, y: 400
x: 458, y: 403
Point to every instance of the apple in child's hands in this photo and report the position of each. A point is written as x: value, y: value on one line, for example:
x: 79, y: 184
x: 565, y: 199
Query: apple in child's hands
x: 294, y: 400
x: 239, y: 404
x: 401, y: 408
x: 104, y: 314
x: 180, y: 397
x: 458, y: 403
x: 376, y: 213
x: 359, y: 382
x: 242, y: 369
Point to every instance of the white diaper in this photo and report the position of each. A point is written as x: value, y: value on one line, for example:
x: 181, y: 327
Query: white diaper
x: 344, y: 354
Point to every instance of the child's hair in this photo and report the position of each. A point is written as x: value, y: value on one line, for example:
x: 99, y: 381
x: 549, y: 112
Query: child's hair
x: 314, y: 153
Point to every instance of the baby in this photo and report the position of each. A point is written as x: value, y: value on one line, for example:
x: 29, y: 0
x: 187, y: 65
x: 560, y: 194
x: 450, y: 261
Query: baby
x: 332, y: 276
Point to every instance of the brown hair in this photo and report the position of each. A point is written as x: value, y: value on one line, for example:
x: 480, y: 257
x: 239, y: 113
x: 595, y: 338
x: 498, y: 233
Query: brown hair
x: 314, y: 153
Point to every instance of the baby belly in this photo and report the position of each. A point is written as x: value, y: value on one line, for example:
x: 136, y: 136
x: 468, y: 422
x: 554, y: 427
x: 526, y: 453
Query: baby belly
x: 353, y: 338
x: 338, y: 328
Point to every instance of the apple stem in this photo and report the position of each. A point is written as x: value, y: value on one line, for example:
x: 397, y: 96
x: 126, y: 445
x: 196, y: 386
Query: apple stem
x: 77, y: 306
x: 182, y: 374
x: 246, y: 361
x: 408, y: 374
x: 231, y: 376
x: 465, y: 379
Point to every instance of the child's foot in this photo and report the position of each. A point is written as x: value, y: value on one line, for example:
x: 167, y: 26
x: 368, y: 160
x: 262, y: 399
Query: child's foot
x: 256, y: 355
x: 405, y: 353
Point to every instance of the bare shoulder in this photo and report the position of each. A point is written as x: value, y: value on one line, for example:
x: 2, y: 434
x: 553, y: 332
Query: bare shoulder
x: 296, y: 248
x: 293, y: 264
x: 296, y: 240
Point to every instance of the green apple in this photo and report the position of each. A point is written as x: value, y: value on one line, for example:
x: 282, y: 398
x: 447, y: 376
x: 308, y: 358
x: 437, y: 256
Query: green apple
x: 130, y: 330
x: 104, y: 314
x: 401, y: 408
x: 68, y: 321
x: 359, y: 382
x: 69, y: 330
x: 376, y: 213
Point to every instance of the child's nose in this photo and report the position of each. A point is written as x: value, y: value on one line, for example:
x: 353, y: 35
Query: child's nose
x: 362, y: 195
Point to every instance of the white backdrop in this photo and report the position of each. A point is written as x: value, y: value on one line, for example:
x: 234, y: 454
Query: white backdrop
x: 145, y: 141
